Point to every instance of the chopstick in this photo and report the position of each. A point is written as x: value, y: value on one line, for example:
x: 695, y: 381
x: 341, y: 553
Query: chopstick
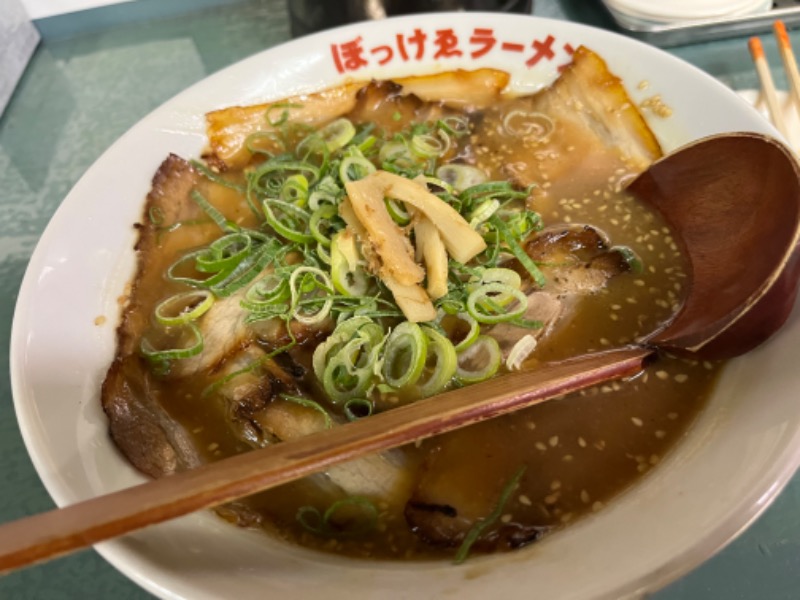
x: 789, y: 61
x: 767, y: 85
x: 57, y: 532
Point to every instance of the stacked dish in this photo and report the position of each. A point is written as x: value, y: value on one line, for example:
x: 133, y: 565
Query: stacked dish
x: 643, y: 12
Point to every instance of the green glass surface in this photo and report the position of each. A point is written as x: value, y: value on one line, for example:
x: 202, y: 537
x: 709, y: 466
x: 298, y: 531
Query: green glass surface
x: 95, y: 75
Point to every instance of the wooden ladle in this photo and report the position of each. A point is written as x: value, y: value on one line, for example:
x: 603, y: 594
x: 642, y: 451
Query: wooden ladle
x: 734, y: 201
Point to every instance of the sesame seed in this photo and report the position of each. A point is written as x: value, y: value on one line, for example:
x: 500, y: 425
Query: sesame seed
x: 553, y: 441
x: 581, y: 442
x: 661, y: 434
x: 637, y: 421
x: 506, y: 518
x: 597, y: 506
x: 585, y: 497
x: 555, y: 484
x: 524, y: 500
x: 551, y: 499
x: 663, y: 375
x: 681, y: 378
x: 540, y: 446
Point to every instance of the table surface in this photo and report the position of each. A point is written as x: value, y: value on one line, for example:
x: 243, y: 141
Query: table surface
x: 94, y: 76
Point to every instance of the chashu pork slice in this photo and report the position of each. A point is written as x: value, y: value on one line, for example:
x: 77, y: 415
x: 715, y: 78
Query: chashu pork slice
x: 233, y: 132
x: 583, y: 131
x: 153, y: 442
x: 131, y: 394
x: 576, y: 261
x: 261, y: 415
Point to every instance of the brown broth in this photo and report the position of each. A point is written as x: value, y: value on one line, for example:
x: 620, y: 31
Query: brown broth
x: 579, y: 451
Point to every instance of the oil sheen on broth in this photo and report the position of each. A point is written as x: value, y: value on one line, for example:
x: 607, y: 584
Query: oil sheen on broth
x: 578, y: 452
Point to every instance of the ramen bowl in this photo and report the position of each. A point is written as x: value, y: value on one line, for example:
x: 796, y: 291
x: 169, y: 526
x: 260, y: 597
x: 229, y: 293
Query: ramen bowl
x: 741, y: 450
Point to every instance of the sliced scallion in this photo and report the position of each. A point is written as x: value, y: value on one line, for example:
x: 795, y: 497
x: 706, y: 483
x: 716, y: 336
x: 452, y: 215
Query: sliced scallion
x: 288, y: 220
x: 480, y: 525
x: 440, y: 365
x: 404, y: 355
x: 183, y: 307
x: 479, y: 361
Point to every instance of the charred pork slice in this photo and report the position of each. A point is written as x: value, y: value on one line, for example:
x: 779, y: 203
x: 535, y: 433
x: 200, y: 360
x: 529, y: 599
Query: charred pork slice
x: 574, y: 134
x: 139, y: 425
x: 576, y: 261
x: 262, y: 414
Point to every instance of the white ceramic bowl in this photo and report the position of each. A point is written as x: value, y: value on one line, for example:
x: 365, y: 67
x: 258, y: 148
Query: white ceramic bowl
x: 736, y: 458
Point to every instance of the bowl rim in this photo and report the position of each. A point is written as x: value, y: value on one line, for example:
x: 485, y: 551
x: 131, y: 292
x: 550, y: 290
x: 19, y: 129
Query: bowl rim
x: 708, y: 544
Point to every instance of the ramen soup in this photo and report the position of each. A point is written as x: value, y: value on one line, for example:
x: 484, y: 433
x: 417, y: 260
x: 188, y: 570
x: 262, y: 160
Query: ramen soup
x: 339, y: 254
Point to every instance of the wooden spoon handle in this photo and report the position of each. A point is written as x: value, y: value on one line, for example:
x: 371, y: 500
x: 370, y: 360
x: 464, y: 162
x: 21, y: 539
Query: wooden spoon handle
x: 60, y: 531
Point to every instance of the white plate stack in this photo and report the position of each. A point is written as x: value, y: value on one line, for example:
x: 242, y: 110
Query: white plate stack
x: 635, y: 13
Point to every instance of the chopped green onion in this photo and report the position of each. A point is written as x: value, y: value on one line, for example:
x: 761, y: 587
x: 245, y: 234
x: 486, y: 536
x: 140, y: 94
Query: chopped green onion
x: 454, y: 124
x: 397, y: 211
x: 438, y: 185
x: 480, y: 525
x: 488, y: 302
x: 215, y: 177
x: 309, y: 282
x: 442, y: 354
x: 461, y: 177
x: 295, y: 190
x: 347, y: 267
x: 429, y: 145
x: 630, y: 257
x: 479, y: 361
x: 528, y: 124
x: 517, y: 251
x: 223, y: 254
x: 327, y: 191
x: 177, y: 346
x: 404, y: 355
x: 322, y: 218
x: 350, y: 517
x: 291, y: 222
x: 357, y: 408
x: 354, y: 168
x: 337, y: 134
x: 309, y: 403
x: 183, y: 307
x: 245, y: 272
x: 345, y: 363
x: 213, y: 213
x: 334, y: 342
x: 324, y: 253
x: 472, y: 333
x: 284, y: 116
x: 266, y: 293
x: 483, y: 212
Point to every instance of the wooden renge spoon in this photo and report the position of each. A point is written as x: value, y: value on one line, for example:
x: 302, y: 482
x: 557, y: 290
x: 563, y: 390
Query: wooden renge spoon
x: 734, y: 200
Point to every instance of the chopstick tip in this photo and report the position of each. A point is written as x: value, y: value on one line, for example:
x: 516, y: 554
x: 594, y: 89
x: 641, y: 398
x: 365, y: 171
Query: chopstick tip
x: 781, y: 34
x: 756, y: 49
